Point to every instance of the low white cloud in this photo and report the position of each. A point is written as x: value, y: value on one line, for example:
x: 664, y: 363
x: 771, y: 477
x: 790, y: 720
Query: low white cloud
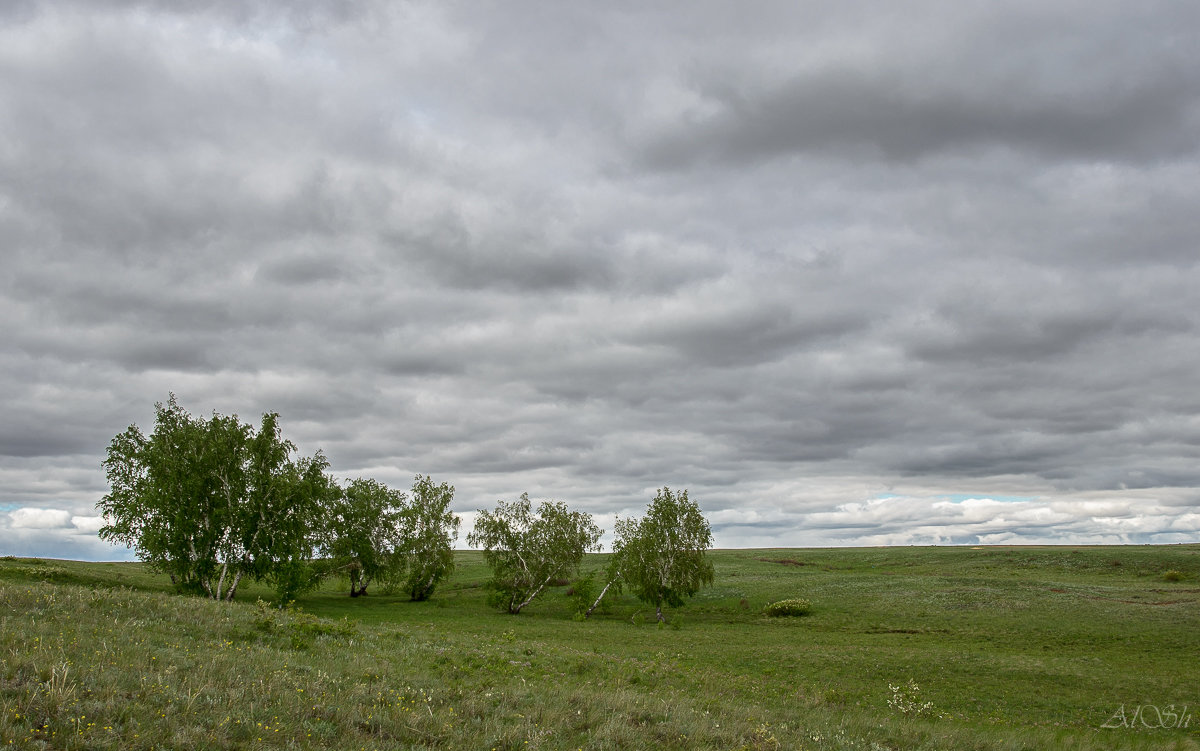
x: 1145, y: 516
x: 56, y: 533
x: 87, y: 524
x: 40, y: 518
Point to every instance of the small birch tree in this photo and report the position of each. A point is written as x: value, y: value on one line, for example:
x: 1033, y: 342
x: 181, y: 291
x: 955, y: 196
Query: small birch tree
x: 528, y: 551
x: 661, y: 557
x: 364, y: 536
x: 428, y: 531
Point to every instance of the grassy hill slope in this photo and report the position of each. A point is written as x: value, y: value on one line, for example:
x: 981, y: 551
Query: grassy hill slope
x: 906, y: 648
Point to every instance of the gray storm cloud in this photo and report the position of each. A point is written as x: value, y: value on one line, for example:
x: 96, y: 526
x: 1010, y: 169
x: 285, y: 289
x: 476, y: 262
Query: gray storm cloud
x: 825, y: 267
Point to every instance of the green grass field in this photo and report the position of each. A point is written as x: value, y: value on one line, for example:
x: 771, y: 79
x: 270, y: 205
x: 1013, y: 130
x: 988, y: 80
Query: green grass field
x: 905, y: 648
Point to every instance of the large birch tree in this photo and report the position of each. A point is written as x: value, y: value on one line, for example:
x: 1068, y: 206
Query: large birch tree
x: 212, y: 501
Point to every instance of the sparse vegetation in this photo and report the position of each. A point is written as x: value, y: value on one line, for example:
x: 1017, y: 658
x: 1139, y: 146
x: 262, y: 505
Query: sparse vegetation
x: 1010, y: 648
x: 906, y: 700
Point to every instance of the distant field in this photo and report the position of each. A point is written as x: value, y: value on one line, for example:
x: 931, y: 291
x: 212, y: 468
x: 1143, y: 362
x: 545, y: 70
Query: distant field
x: 906, y: 648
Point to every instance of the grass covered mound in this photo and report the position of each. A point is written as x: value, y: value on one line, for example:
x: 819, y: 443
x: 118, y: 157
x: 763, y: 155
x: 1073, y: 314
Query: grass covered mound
x: 908, y: 648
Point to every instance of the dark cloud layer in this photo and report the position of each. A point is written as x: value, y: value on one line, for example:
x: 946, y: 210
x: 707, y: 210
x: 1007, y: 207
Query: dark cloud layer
x: 853, y: 276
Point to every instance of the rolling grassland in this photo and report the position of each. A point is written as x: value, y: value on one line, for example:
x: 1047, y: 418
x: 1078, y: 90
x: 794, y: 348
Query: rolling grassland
x: 904, y: 648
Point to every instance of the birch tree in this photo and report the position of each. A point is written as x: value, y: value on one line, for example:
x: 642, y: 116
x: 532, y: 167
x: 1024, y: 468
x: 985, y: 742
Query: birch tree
x: 527, y: 551
x: 211, y: 501
x: 428, y: 531
x: 661, y: 557
x: 174, y: 495
x: 282, y: 512
x: 365, y: 542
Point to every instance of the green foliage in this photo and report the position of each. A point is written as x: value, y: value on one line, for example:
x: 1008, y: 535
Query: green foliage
x: 364, y: 541
x: 300, y: 628
x: 210, y: 501
x: 380, y: 534
x: 792, y: 607
x: 528, y: 551
x: 661, y: 557
x: 429, y: 529
x: 582, y: 593
x: 1172, y: 575
x: 293, y: 526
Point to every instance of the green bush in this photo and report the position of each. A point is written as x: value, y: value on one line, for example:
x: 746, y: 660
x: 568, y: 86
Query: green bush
x: 301, y: 627
x: 582, y: 593
x: 794, y: 606
x: 1172, y: 575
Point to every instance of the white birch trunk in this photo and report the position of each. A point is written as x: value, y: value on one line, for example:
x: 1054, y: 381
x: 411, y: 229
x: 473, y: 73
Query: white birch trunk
x: 603, y: 592
x: 535, y: 594
x: 220, y: 582
x: 233, y: 587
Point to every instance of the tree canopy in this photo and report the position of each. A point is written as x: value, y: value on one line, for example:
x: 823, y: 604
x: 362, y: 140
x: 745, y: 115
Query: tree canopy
x: 661, y: 557
x: 428, y: 531
x: 527, y: 551
x: 364, y: 541
x: 405, y: 542
x: 210, y: 501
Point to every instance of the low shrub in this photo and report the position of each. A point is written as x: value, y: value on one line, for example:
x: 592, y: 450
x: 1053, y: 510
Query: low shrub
x: 1172, y: 575
x: 301, y: 627
x: 794, y: 606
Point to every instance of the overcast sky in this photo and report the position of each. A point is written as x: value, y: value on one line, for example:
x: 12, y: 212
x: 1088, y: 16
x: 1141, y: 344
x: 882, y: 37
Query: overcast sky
x: 852, y: 273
